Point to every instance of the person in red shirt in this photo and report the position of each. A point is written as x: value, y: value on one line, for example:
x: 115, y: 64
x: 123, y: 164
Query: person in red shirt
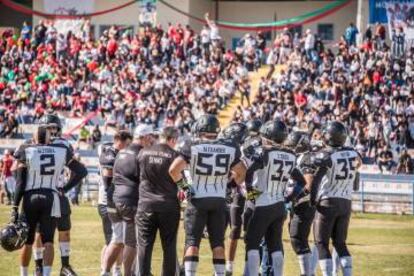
x: 7, y: 176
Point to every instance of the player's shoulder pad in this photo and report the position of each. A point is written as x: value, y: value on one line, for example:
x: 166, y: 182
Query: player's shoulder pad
x: 108, y: 155
x: 61, y: 141
x: 184, y: 148
x: 227, y: 142
x: 322, y: 158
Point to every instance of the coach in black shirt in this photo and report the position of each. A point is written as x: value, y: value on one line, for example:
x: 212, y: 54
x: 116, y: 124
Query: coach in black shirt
x: 158, y: 206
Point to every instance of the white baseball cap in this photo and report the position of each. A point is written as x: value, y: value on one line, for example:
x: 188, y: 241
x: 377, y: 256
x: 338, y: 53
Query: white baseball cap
x: 143, y: 130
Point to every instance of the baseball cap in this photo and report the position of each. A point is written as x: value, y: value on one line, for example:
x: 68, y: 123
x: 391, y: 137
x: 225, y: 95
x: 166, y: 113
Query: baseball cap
x: 143, y: 130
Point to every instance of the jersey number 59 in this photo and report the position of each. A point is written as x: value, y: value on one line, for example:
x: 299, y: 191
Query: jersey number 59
x: 209, y: 165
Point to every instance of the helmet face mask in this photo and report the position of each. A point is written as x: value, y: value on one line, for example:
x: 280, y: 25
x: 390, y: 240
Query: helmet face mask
x: 235, y: 132
x: 334, y: 134
x: 253, y: 127
x: 53, y: 123
x: 298, y: 141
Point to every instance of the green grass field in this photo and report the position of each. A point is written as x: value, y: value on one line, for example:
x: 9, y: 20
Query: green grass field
x: 380, y: 244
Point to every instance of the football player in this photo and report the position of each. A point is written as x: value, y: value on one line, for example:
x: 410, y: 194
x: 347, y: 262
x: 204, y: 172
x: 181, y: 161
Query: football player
x: 213, y: 163
x: 54, y: 126
x: 337, y: 176
x: 106, y: 155
x: 107, y: 160
x: 236, y: 133
x: 302, y: 213
x: 39, y: 167
x: 269, y: 173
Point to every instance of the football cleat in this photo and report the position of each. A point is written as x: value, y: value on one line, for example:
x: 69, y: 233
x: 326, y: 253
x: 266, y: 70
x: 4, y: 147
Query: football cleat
x: 67, y: 271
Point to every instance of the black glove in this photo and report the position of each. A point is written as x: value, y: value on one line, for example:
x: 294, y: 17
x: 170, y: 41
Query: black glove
x: 14, y: 215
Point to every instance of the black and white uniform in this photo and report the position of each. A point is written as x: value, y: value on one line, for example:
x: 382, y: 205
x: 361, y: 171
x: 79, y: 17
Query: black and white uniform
x: 269, y: 173
x: 158, y: 209
x: 41, y: 206
x: 63, y: 223
x: 106, y: 154
x: 337, y: 175
x: 250, y: 149
x: 301, y: 218
x: 125, y: 195
x: 210, y: 163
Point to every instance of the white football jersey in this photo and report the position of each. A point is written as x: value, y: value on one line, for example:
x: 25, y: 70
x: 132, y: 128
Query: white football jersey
x: 271, y: 175
x: 210, y: 163
x: 339, y: 179
x: 45, y: 164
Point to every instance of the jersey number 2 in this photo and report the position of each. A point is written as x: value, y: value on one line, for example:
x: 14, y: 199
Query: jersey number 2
x: 47, y: 164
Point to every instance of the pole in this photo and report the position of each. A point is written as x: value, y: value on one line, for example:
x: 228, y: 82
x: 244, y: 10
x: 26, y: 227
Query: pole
x: 412, y: 198
x: 362, y: 196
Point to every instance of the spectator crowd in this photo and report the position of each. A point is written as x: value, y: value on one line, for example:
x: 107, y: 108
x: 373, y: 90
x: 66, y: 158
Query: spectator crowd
x: 170, y: 76
x: 157, y: 76
x: 369, y: 87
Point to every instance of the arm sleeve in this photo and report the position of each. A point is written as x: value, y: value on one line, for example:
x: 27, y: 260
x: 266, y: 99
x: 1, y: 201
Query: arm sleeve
x: 184, y: 150
x: 20, y: 154
x: 237, y: 156
x: 356, y: 182
x: 21, y: 175
x: 78, y: 172
x: 316, y: 182
x: 256, y: 165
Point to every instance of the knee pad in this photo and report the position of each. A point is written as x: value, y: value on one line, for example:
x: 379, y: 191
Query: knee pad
x: 323, y: 251
x: 341, y: 249
x: 117, y: 233
x: 299, y: 246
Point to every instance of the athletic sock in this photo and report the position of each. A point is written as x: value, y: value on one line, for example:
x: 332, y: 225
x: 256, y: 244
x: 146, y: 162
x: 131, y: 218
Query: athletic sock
x: 277, y: 263
x: 305, y: 264
x: 252, y: 264
x: 229, y: 266
x: 117, y: 271
x: 47, y: 270
x: 64, y: 252
x: 38, y: 256
x: 335, y: 263
x: 346, y: 265
x: 326, y: 267
x: 24, y: 271
x: 314, y: 260
x: 219, y: 267
x: 190, y: 265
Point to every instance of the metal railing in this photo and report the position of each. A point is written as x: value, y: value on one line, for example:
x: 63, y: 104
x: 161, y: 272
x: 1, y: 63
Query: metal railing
x: 379, y: 193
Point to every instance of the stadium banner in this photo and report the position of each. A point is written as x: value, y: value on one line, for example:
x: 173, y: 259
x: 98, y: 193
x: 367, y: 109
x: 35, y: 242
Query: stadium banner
x: 69, y: 7
x: 401, y: 14
x: 147, y: 13
x: 378, y: 9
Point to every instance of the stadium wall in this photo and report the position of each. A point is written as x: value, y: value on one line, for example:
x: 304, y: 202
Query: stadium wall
x: 236, y: 11
x: 256, y: 11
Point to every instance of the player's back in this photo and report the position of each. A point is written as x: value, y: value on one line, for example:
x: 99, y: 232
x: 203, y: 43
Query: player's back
x: 341, y: 173
x: 272, y: 173
x: 44, y: 164
x: 210, y: 165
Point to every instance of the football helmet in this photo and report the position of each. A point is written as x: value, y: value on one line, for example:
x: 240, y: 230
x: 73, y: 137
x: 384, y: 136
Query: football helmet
x: 275, y: 131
